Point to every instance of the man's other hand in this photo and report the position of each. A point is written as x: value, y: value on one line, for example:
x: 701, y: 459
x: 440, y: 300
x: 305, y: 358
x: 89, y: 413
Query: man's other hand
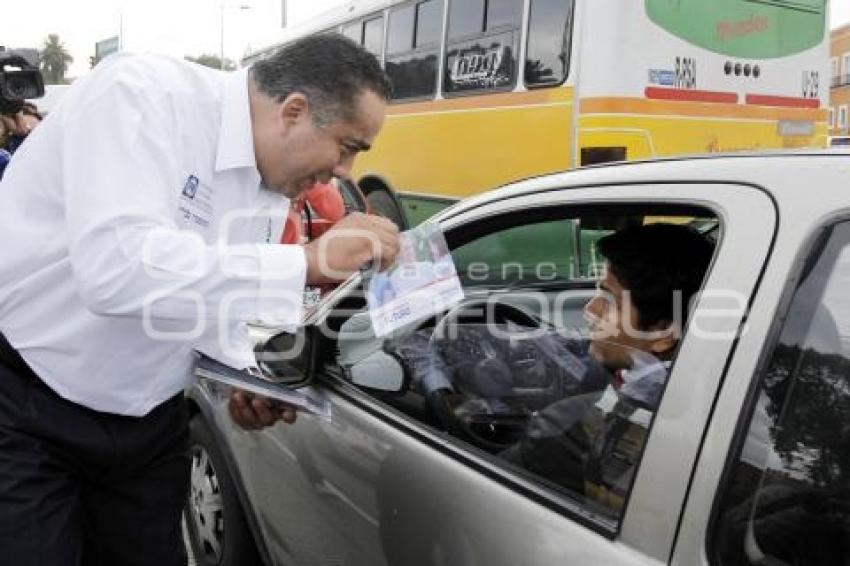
x: 254, y: 412
x: 16, y: 123
x: 351, y: 243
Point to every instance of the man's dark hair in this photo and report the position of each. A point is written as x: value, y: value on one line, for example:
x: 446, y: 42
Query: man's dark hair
x: 655, y: 261
x: 329, y: 69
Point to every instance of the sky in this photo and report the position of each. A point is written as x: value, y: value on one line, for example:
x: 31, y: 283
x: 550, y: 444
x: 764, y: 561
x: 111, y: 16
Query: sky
x: 177, y: 27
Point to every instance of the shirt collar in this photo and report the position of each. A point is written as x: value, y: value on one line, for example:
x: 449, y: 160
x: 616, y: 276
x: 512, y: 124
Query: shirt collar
x: 235, y: 138
x: 644, y: 385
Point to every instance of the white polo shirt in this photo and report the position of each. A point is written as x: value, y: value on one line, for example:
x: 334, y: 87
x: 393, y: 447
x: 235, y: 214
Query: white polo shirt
x: 134, y: 229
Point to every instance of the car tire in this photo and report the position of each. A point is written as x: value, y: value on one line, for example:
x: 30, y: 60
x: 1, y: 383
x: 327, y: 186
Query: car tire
x: 218, y: 532
x: 384, y: 203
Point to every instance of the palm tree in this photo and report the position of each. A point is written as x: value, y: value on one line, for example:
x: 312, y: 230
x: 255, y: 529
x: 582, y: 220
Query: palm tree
x: 54, y: 60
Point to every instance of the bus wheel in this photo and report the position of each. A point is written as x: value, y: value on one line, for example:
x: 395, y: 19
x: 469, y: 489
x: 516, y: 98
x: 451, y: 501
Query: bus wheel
x: 384, y: 203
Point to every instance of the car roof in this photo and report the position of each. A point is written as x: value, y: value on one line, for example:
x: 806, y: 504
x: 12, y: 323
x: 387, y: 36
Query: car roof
x: 788, y: 176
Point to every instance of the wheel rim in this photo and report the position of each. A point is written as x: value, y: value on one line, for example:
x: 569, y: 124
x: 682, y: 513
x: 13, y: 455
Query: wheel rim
x: 206, y: 505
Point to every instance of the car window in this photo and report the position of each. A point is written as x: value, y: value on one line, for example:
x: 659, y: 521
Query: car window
x: 546, y: 251
x: 787, y: 500
x: 524, y: 370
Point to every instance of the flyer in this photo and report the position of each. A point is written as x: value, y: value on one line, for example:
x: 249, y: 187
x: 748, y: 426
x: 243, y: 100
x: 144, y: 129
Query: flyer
x: 421, y: 282
x: 211, y: 369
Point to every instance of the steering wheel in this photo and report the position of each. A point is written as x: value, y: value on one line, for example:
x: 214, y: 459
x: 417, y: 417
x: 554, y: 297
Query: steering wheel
x: 483, y: 311
x: 486, y: 430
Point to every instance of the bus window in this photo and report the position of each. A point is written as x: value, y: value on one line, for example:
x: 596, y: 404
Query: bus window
x: 373, y: 35
x: 482, y: 46
x: 400, y: 30
x: 549, y: 33
x: 429, y: 23
x: 503, y: 13
x: 353, y: 32
x: 413, y: 46
x: 466, y: 17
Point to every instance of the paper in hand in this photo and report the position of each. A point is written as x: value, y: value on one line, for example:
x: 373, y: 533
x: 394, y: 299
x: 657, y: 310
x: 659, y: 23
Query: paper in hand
x: 208, y: 368
x: 420, y: 283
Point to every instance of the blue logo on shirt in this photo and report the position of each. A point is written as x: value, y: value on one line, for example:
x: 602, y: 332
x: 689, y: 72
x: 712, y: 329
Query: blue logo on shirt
x: 191, y: 187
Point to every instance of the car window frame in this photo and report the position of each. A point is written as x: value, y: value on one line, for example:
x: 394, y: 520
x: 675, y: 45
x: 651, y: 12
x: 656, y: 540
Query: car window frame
x: 807, y: 257
x: 600, y: 193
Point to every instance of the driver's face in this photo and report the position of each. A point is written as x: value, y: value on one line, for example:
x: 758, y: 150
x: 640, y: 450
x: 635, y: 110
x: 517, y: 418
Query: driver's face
x: 614, y: 330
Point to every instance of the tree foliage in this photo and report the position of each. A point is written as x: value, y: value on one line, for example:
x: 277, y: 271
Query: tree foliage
x: 54, y: 60
x: 809, y: 394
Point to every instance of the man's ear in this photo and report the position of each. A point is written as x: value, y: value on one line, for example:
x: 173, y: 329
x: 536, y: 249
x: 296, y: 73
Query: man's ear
x: 667, y: 337
x: 293, y: 108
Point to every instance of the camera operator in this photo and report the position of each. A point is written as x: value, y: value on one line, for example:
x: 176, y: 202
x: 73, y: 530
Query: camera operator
x: 19, y: 80
x: 15, y: 126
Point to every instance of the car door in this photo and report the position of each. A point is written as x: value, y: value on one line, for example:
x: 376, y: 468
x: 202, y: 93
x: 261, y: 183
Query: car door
x: 380, y: 484
x: 771, y: 484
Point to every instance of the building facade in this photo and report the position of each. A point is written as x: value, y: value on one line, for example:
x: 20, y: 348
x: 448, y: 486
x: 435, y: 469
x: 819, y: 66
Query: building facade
x: 839, y: 95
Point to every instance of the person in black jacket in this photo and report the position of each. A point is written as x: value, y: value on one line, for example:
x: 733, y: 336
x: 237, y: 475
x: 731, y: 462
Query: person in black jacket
x: 590, y: 443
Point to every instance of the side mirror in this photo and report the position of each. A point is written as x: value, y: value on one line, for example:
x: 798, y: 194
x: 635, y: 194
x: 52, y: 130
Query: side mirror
x: 289, y: 357
x: 352, y: 196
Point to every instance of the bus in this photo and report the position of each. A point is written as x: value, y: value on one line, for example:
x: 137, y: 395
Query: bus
x: 492, y: 91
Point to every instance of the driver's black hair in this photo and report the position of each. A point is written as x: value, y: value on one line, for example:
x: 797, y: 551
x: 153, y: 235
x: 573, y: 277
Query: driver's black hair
x: 653, y: 262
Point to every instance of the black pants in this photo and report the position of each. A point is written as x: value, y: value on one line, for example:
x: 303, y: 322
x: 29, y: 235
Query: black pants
x: 80, y: 487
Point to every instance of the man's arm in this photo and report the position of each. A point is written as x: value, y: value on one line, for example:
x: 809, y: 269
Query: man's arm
x: 119, y: 155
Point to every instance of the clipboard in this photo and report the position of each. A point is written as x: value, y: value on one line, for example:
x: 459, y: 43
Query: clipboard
x: 208, y: 368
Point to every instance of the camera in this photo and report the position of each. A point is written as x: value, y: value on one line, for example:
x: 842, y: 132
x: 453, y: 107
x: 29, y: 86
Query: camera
x: 19, y: 80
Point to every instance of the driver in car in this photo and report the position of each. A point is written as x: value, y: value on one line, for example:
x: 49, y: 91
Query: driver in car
x: 590, y: 443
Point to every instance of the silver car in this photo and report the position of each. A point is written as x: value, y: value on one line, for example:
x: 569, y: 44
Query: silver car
x: 741, y: 462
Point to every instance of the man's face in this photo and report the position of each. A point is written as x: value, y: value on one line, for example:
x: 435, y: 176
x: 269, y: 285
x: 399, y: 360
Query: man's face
x: 294, y: 153
x: 615, y: 337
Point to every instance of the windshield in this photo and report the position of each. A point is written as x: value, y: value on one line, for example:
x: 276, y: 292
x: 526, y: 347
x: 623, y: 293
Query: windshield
x: 744, y: 28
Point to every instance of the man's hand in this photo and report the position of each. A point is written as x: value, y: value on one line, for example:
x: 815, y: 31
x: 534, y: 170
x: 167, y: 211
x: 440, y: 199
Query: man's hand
x: 17, y: 123
x: 350, y: 244
x: 254, y: 412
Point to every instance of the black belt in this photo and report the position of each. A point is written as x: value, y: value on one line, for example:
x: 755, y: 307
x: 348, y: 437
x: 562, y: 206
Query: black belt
x: 10, y: 358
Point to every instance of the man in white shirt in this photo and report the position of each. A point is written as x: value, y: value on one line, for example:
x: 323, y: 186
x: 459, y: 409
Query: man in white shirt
x: 139, y: 222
